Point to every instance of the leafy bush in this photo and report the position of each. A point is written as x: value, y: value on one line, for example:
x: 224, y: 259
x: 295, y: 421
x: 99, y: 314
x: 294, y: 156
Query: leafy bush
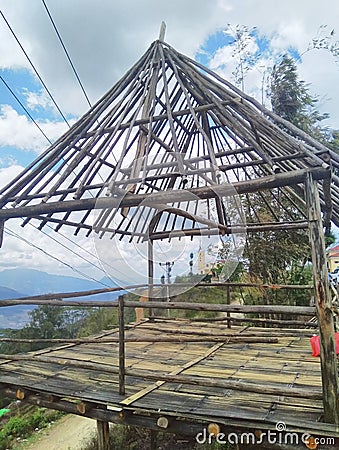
x: 23, y: 426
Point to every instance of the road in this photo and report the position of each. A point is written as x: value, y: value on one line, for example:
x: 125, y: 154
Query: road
x: 70, y: 433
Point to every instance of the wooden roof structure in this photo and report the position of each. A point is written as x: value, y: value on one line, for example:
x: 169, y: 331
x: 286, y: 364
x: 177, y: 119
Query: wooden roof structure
x: 170, y: 129
x: 171, y: 136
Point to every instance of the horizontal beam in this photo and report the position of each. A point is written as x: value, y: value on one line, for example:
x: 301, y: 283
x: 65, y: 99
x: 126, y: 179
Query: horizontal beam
x: 172, y: 196
x: 147, y: 120
x: 63, y: 295
x: 191, y: 426
x: 234, y: 229
x: 252, y: 309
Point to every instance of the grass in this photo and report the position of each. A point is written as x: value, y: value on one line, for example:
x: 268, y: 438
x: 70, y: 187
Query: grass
x: 22, y: 426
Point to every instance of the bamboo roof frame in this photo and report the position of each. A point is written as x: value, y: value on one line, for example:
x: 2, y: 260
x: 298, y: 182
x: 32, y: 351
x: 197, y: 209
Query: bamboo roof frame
x: 168, y: 129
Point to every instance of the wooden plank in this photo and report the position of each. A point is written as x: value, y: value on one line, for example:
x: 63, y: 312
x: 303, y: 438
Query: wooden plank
x: 151, y: 388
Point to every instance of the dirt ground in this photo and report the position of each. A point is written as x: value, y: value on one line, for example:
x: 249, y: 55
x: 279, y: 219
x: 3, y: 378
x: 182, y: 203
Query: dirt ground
x: 69, y: 433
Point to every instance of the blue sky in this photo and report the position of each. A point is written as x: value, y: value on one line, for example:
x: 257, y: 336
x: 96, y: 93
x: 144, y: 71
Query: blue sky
x: 114, y: 38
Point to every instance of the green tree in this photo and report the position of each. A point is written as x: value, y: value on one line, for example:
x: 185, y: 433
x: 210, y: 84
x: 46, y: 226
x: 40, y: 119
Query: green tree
x: 291, y: 99
x: 47, y: 322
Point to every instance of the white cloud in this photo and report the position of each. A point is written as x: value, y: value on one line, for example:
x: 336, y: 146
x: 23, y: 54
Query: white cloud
x: 38, y: 99
x: 20, y: 249
x: 18, y: 131
x: 8, y: 173
x: 116, y: 34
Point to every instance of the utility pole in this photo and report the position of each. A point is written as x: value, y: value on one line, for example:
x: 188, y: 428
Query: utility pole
x: 191, y: 264
x: 168, y: 269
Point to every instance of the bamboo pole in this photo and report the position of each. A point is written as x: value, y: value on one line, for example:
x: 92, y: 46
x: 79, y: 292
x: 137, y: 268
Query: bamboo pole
x: 282, y: 389
x: 191, y: 337
x: 121, y: 346
x: 328, y: 358
x: 150, y: 275
x: 251, y: 309
x: 228, y: 302
x: 268, y: 182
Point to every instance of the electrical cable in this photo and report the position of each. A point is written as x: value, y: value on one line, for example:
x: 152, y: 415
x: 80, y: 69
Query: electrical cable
x: 66, y: 52
x: 34, y: 68
x: 14, y: 234
x: 83, y: 249
x: 25, y: 109
x: 50, y: 142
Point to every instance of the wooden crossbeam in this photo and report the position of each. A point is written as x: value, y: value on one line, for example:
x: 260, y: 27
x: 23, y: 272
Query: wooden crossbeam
x: 241, y: 187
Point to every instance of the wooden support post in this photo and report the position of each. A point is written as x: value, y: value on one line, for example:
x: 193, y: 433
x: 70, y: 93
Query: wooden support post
x: 153, y: 437
x: 228, y: 302
x: 150, y: 274
x: 2, y: 229
x: 121, y: 346
x: 103, y: 435
x: 328, y: 358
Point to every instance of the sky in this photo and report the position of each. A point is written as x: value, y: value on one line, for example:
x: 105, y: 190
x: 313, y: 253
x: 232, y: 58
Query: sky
x: 104, y: 39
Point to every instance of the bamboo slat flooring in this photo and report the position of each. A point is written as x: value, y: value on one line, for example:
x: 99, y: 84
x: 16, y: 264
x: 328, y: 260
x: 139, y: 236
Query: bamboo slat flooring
x: 285, y: 364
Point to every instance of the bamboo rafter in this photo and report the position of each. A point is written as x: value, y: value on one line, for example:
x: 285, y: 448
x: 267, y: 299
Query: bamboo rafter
x: 169, y: 124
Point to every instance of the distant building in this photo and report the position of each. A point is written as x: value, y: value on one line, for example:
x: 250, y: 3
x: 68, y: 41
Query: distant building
x: 207, y: 267
x: 333, y: 258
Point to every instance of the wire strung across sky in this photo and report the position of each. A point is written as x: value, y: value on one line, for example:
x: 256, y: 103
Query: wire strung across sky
x: 34, y: 68
x: 25, y: 109
x: 16, y: 235
x: 66, y: 52
x: 13, y: 234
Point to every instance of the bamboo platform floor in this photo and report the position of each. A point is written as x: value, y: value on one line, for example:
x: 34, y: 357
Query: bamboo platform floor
x: 286, y: 364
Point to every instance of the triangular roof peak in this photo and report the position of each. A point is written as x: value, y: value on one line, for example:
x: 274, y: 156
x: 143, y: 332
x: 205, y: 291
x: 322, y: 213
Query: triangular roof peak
x: 168, y: 125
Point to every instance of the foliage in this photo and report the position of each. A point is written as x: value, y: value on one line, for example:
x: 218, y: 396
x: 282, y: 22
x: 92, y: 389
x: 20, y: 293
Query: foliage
x: 47, y: 322
x: 62, y: 322
x: 291, y: 99
x: 23, y: 426
x: 325, y: 41
x: 329, y: 239
x: 103, y: 318
x: 243, y: 51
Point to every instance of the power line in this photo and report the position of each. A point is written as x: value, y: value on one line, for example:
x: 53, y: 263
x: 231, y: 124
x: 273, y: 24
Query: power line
x: 66, y: 52
x: 14, y: 234
x: 34, y: 68
x: 83, y: 249
x: 37, y: 125
x: 68, y: 248
x: 24, y: 108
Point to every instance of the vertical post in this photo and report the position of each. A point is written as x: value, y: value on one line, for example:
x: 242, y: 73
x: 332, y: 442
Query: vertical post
x: 150, y: 274
x: 228, y: 302
x: 121, y: 346
x: 162, y: 31
x: 103, y: 435
x: 328, y: 359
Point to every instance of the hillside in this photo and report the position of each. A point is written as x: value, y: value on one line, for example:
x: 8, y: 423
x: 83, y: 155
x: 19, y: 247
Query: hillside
x: 13, y: 316
x: 36, y: 282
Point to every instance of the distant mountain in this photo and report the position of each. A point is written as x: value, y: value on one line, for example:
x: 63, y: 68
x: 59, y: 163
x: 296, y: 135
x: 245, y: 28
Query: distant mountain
x: 6, y: 292
x: 13, y: 316
x: 35, y: 282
